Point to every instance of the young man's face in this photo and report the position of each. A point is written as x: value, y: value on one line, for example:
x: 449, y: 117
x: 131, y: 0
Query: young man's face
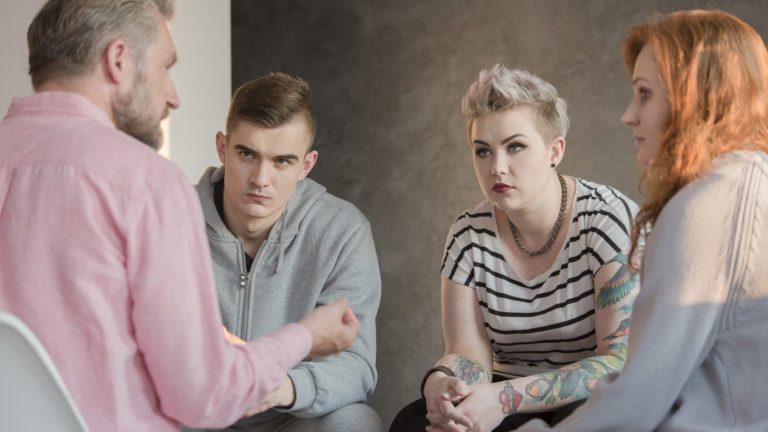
x: 262, y: 168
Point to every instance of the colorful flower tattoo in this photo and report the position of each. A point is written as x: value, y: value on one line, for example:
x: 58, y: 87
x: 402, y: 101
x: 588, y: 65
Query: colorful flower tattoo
x: 576, y: 381
x: 469, y: 370
x: 572, y: 382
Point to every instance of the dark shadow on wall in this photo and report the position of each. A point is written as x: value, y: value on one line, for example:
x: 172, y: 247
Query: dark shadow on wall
x: 387, y: 79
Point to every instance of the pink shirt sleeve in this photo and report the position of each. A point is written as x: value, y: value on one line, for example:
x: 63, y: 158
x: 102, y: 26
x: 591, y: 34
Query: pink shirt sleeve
x: 201, y: 379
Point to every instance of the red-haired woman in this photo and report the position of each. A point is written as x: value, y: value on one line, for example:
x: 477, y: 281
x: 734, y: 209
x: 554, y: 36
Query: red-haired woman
x: 699, y: 346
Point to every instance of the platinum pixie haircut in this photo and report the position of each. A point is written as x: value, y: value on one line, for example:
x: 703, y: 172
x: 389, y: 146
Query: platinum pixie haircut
x: 66, y: 37
x: 498, y: 89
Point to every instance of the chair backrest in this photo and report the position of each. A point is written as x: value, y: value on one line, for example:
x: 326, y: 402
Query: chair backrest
x: 32, y: 394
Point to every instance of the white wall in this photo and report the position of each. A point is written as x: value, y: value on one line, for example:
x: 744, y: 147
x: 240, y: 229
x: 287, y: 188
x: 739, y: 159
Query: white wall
x: 201, y: 31
x: 15, y: 16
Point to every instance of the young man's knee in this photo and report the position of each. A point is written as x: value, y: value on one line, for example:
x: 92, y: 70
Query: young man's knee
x: 352, y: 417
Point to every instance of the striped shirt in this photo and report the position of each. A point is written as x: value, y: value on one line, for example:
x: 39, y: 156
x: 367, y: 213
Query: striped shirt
x: 541, y: 324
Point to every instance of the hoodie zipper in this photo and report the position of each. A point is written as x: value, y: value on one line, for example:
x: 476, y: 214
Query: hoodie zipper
x: 246, y: 302
x: 243, y: 284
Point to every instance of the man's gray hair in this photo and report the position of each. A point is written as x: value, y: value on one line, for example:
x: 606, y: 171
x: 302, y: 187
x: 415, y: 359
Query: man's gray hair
x: 67, y: 37
x: 499, y: 89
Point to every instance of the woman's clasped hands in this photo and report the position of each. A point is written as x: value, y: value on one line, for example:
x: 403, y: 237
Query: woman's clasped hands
x: 455, y: 406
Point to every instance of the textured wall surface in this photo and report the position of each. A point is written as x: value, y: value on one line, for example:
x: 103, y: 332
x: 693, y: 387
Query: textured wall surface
x: 387, y: 78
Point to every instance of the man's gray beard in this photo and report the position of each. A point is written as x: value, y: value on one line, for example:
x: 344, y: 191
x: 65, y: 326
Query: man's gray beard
x: 127, y: 113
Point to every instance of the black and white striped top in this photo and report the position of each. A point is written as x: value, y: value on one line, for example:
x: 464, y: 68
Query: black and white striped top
x: 541, y: 324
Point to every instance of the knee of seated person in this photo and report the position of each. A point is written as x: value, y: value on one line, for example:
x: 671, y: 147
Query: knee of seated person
x: 352, y: 417
x: 412, y: 418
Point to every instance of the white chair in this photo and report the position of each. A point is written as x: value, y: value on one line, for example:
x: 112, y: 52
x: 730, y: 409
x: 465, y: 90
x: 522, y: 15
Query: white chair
x: 32, y: 394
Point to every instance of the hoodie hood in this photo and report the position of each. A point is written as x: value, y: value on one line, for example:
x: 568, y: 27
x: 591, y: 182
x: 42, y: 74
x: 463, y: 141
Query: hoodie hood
x: 271, y: 253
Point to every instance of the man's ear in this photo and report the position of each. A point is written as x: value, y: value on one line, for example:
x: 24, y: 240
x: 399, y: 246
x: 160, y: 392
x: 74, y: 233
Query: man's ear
x: 119, y: 66
x: 309, y: 162
x: 557, y: 150
x: 221, y: 145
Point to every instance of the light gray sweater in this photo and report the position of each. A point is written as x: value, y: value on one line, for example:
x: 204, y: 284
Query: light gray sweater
x: 320, y: 249
x: 698, y: 344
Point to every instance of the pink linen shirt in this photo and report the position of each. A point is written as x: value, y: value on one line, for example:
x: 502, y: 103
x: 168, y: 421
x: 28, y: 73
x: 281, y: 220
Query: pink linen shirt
x: 103, y: 254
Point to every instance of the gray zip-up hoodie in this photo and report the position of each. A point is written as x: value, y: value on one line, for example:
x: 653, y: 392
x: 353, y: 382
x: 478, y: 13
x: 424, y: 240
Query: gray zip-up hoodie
x: 320, y: 249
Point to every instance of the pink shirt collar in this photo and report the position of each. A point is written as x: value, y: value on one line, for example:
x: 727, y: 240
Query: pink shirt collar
x: 58, y: 102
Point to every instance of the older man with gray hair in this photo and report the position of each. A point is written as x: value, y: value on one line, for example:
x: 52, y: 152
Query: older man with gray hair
x: 102, y: 248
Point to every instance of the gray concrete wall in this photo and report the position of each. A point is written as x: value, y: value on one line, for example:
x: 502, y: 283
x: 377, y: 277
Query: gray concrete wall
x: 387, y: 78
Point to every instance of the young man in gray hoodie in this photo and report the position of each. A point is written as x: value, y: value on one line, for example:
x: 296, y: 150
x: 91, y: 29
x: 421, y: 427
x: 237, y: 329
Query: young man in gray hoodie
x: 281, y: 245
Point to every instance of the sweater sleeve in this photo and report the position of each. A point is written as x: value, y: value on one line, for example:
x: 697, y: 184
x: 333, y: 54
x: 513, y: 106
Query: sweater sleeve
x: 200, y: 379
x: 686, y: 280
x: 325, y: 384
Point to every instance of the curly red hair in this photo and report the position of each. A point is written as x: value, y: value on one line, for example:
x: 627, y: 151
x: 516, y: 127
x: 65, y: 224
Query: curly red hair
x: 715, y: 69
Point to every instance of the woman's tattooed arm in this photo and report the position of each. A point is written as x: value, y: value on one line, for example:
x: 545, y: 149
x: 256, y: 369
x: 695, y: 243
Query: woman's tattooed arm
x: 466, y: 368
x: 549, y: 390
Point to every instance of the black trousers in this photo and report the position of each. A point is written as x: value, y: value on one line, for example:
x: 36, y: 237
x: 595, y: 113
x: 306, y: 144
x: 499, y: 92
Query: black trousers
x: 413, y: 418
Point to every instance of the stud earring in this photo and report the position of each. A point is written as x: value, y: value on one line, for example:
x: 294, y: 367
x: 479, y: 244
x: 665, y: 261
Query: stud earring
x: 552, y: 165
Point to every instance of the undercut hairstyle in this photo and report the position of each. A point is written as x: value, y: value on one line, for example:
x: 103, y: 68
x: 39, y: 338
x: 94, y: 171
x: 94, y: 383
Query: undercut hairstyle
x: 67, y: 37
x: 499, y: 89
x: 271, y: 101
x: 715, y: 69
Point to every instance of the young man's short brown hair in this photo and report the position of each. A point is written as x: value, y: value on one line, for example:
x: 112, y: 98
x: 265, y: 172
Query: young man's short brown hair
x: 271, y: 101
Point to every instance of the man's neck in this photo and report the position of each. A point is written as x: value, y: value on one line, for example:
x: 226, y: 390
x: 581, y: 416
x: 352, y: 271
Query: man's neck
x: 252, y: 238
x: 83, y: 86
x: 252, y: 231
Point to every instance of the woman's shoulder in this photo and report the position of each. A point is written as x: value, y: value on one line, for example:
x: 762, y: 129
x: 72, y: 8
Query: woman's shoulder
x: 730, y: 182
x: 601, y: 200
x: 476, y: 218
x: 479, y: 212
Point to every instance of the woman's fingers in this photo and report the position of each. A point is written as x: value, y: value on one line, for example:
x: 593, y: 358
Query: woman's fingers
x: 457, y: 389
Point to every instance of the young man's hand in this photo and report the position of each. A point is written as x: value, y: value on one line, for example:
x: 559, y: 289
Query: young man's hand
x: 282, y: 397
x: 232, y: 338
x: 333, y: 327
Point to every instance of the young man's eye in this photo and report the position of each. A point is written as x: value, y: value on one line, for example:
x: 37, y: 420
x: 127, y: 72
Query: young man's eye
x: 246, y: 154
x: 283, y: 162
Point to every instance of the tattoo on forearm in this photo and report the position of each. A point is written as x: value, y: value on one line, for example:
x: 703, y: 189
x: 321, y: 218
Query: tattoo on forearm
x: 468, y: 370
x: 575, y: 382
x: 619, y: 286
x: 510, y: 399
